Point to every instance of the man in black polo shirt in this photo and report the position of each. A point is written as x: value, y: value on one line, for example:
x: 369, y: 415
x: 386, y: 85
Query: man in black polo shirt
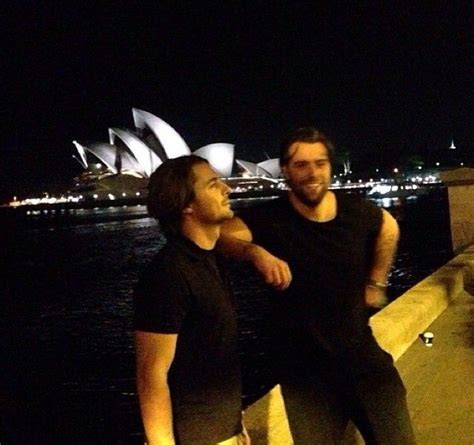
x: 188, y: 372
x: 333, y: 253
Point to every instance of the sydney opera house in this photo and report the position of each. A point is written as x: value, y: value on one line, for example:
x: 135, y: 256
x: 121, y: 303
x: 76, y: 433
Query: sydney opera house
x: 124, y: 164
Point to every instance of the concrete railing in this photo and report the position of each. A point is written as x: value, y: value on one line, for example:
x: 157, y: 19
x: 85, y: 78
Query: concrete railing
x: 398, y: 325
x: 395, y: 327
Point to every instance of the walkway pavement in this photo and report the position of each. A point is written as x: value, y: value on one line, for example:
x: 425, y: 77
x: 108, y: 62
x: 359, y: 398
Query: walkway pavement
x: 439, y: 382
x: 440, y: 379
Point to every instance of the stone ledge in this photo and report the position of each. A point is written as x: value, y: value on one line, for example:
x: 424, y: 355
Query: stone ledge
x: 395, y: 327
x: 398, y: 325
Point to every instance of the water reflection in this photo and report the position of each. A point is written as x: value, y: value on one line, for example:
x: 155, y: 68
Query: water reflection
x: 387, y: 203
x: 68, y: 311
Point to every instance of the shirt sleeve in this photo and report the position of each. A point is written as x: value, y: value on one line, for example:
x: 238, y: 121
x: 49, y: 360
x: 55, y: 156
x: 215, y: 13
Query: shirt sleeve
x: 161, y: 300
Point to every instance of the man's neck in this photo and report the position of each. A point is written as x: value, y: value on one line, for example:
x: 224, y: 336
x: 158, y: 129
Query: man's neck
x: 203, y: 236
x: 325, y: 210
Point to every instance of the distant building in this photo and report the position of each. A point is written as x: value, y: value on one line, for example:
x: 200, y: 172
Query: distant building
x: 139, y: 152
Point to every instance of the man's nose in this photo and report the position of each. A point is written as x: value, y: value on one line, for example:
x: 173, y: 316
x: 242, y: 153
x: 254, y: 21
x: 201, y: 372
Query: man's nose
x: 312, y: 171
x: 225, y: 188
x: 314, y: 168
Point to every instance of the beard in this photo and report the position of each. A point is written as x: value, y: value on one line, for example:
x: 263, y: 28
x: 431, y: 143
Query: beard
x: 223, y: 217
x: 227, y: 216
x: 307, y: 196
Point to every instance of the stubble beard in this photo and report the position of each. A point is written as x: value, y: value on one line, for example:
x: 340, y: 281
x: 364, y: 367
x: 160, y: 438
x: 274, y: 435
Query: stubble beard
x: 228, y: 216
x: 221, y: 219
x: 310, y: 200
x: 215, y: 217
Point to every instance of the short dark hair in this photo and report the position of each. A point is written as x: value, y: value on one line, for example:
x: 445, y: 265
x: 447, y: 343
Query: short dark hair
x: 304, y: 134
x: 171, y: 190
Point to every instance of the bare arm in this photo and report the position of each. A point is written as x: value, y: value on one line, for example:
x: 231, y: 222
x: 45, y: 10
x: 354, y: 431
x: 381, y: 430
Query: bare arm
x: 384, y: 252
x: 236, y: 241
x: 155, y: 353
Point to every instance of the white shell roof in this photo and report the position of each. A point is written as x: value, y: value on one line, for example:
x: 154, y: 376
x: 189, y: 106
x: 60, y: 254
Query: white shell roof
x: 172, y: 142
x: 147, y: 159
x: 220, y: 155
x: 272, y: 166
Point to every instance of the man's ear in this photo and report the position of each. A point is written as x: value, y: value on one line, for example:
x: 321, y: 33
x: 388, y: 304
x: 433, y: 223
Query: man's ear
x: 187, y: 210
x: 284, y: 171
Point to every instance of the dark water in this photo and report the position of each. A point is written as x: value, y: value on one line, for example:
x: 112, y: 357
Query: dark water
x: 66, y: 348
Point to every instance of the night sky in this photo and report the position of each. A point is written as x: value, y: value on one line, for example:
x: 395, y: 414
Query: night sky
x: 380, y: 78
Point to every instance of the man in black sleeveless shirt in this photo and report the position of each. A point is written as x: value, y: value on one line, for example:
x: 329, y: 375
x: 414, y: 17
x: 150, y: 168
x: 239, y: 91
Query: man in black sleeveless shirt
x: 330, y: 253
x: 188, y: 372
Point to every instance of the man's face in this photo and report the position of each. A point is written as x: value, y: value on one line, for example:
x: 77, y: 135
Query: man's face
x: 211, y: 204
x: 308, y: 172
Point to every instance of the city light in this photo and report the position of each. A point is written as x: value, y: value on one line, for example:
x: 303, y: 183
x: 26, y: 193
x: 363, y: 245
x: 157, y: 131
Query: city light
x: 44, y: 200
x: 247, y: 183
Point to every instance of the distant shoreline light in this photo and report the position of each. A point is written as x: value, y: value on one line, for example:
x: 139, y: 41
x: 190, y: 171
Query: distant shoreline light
x: 246, y: 184
x: 45, y: 200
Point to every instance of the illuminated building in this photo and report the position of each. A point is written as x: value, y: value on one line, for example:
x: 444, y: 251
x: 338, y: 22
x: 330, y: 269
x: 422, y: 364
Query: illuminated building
x: 140, y: 152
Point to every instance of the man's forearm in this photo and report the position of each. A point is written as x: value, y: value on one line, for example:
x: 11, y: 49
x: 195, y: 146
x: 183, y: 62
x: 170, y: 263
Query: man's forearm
x: 384, y: 251
x: 274, y: 271
x: 236, y: 248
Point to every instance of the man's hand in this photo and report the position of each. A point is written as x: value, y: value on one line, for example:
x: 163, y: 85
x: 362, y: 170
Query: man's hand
x: 236, y: 241
x: 275, y: 271
x: 375, y: 297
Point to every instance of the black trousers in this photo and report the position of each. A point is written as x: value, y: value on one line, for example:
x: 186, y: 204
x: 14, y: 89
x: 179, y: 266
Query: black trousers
x: 322, y: 398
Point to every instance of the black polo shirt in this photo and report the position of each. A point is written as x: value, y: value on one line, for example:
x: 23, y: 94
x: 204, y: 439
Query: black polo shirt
x: 183, y: 292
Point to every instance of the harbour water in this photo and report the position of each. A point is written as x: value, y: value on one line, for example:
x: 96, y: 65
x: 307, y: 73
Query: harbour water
x: 66, y: 345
